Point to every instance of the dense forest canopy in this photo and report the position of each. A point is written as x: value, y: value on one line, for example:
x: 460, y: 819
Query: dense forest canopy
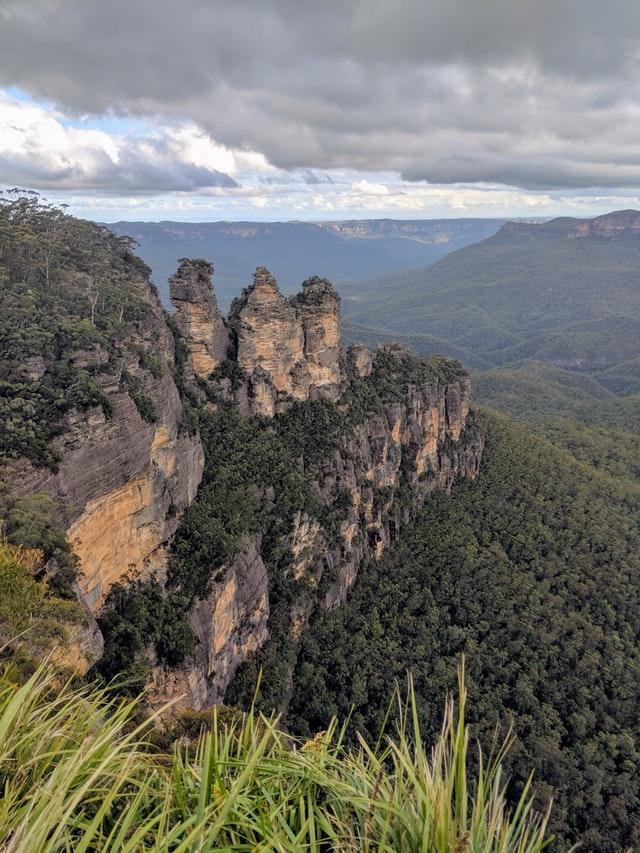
x: 532, y: 572
x: 66, y: 286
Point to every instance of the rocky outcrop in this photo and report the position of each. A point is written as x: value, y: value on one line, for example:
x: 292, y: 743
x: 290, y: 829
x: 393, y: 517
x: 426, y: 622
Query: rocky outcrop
x: 318, y: 307
x: 198, y: 318
x: 280, y: 350
x: 229, y: 624
x: 390, y: 462
x: 123, y: 480
x: 269, y: 347
x: 409, y: 440
x: 81, y: 647
x: 360, y: 360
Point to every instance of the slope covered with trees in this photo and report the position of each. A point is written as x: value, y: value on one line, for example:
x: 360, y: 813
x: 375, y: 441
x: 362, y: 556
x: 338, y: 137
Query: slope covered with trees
x: 67, y: 287
x: 533, y: 573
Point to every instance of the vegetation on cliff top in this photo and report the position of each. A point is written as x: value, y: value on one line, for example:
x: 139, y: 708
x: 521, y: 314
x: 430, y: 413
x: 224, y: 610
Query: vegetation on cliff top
x: 32, y: 622
x: 66, y: 287
x: 78, y: 774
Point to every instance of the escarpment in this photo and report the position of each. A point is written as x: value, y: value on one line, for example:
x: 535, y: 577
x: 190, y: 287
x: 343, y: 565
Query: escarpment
x: 371, y: 434
x: 217, y: 478
x: 124, y: 476
x: 91, y: 413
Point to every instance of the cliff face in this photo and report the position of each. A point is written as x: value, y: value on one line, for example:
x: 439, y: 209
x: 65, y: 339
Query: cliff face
x: 390, y: 463
x: 403, y: 431
x: 619, y: 224
x: 122, y: 482
x: 230, y: 624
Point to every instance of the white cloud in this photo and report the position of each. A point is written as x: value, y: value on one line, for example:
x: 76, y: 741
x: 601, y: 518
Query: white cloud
x: 195, y: 146
x: 368, y: 189
x: 40, y: 148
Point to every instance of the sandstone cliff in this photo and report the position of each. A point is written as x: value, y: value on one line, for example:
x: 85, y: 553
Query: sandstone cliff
x: 124, y: 477
x: 402, y: 431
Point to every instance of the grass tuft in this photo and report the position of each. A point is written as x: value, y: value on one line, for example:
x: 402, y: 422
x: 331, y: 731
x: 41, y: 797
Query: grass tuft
x: 78, y: 774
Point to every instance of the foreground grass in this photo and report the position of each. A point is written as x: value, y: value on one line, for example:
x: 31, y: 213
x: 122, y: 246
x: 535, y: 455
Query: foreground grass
x: 77, y: 774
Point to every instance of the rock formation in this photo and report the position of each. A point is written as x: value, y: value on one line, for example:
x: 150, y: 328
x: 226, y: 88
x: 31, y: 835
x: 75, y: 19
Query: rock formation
x: 269, y: 347
x: 285, y: 350
x: 198, y: 317
x: 318, y: 307
x: 122, y: 482
x: 411, y: 441
x: 229, y: 624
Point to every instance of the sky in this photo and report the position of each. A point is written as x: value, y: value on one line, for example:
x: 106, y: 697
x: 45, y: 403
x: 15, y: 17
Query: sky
x: 290, y: 109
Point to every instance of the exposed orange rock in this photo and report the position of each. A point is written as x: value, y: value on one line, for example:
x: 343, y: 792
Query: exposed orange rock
x: 197, y: 316
x: 287, y: 350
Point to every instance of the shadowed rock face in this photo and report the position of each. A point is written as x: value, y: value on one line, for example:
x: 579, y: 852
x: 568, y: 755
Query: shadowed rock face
x: 318, y: 307
x: 197, y: 316
x: 230, y: 624
x: 122, y: 483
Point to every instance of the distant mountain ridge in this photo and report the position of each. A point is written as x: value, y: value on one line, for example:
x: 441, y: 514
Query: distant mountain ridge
x: 618, y: 223
x: 564, y: 292
x: 294, y: 251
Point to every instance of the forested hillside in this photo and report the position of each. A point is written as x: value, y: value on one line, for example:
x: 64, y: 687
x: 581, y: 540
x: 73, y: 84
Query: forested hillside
x: 573, y: 411
x: 533, y: 573
x: 564, y: 292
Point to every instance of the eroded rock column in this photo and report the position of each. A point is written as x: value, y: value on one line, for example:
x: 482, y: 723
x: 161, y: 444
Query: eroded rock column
x: 198, y: 317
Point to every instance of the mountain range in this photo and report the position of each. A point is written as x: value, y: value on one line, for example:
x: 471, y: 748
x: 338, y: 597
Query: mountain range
x: 293, y: 251
x: 198, y: 503
x: 564, y: 292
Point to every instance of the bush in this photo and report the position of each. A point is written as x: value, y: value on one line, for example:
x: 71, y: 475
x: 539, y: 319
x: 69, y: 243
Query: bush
x: 79, y: 774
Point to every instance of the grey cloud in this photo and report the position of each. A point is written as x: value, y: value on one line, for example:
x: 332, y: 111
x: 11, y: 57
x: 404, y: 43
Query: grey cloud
x: 535, y: 94
x: 135, y: 172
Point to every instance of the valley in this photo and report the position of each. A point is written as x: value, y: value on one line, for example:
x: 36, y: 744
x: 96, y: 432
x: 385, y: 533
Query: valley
x: 293, y: 251
x: 222, y: 502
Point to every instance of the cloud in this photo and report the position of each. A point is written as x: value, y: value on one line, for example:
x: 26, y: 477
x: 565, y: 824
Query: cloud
x: 38, y: 149
x: 532, y: 94
x: 366, y: 188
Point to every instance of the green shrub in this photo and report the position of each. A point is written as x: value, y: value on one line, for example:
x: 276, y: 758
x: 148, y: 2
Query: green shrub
x: 78, y: 774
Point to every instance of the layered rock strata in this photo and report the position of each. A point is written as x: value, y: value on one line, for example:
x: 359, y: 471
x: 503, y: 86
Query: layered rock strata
x: 123, y: 481
x: 197, y: 316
